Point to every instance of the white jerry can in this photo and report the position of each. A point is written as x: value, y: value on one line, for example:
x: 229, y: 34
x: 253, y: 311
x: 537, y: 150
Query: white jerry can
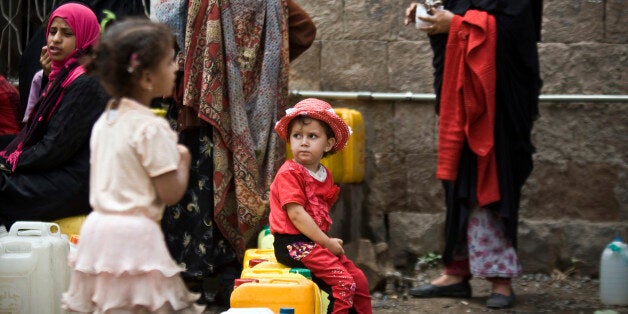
x: 33, y: 268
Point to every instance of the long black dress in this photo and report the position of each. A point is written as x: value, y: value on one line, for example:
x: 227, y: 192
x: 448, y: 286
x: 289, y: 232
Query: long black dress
x: 51, y: 180
x: 517, y: 91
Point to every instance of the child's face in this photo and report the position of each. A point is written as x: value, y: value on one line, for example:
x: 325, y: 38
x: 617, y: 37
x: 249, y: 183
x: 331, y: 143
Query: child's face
x: 165, y: 75
x: 61, y: 40
x: 309, y: 142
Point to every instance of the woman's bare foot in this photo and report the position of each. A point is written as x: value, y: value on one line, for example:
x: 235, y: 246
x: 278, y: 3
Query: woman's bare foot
x: 503, y: 289
x: 446, y: 280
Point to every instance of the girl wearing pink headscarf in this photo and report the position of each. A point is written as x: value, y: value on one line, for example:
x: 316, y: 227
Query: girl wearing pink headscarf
x: 44, y: 170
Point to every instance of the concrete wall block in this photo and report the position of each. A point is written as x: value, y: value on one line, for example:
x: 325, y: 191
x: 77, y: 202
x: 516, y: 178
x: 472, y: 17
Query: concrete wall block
x: 584, y: 243
x: 410, y: 67
x: 425, y: 193
x: 539, y: 245
x: 586, y: 133
x: 327, y: 15
x: 416, y: 128
x: 616, y: 21
x: 370, y: 19
x: 305, y: 71
x: 413, y: 234
x: 561, y: 244
x: 573, y: 189
x: 570, y: 21
x: 387, y: 187
x: 354, y: 65
x: 584, y: 68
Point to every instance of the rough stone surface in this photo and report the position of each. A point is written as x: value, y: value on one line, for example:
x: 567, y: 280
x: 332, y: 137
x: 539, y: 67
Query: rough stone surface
x: 565, y: 243
x: 572, y: 21
x: 584, y: 68
x: 309, y: 62
x: 575, y: 200
x: 616, y: 19
x: 413, y: 235
x: 353, y: 65
x: 411, y: 63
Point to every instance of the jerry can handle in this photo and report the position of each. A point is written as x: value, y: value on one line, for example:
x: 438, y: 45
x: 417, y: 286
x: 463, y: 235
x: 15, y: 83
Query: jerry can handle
x: 268, y: 271
x: 34, y: 228
x: 287, y: 280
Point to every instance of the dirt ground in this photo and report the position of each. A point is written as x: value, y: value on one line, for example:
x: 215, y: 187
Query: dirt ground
x: 536, y: 293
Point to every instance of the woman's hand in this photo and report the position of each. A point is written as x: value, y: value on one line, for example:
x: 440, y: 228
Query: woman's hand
x: 410, y: 12
x: 44, y: 60
x: 440, y: 20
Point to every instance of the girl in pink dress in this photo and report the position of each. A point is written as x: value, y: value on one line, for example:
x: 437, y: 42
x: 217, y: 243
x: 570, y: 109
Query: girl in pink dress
x: 300, y: 198
x: 122, y: 264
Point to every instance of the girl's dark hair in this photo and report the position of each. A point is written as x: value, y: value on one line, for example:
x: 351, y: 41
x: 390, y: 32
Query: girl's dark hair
x: 307, y: 120
x: 127, y: 48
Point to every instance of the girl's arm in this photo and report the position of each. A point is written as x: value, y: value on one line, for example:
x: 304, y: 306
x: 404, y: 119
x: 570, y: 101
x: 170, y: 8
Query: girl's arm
x: 306, y: 225
x: 171, y: 186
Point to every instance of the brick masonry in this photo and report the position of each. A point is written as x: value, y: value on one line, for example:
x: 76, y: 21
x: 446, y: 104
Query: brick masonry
x: 575, y: 201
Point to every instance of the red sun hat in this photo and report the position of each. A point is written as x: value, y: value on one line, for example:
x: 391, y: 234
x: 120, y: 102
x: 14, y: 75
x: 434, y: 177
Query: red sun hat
x: 319, y: 110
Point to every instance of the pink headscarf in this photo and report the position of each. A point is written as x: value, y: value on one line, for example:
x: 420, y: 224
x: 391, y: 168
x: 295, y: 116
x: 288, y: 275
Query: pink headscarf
x: 84, y: 24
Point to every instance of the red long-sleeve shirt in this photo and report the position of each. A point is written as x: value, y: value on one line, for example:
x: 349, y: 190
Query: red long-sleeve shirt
x: 467, y: 107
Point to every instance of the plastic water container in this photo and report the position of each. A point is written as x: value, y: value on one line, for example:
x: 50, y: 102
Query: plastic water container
x: 275, y: 293
x: 267, y: 254
x: 614, y: 273
x: 265, y: 271
x: 324, y: 296
x: 249, y: 310
x: 71, y: 225
x: 265, y: 239
x: 33, y: 268
x: 74, y: 243
x: 266, y: 264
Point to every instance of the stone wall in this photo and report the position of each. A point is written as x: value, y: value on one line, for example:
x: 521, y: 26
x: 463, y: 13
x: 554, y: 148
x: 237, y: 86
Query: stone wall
x: 576, y: 199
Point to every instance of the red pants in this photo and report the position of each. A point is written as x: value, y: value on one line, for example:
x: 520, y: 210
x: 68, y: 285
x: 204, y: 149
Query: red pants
x: 348, y: 284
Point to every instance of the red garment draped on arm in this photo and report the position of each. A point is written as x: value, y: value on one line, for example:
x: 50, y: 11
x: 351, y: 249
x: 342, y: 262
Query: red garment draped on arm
x: 467, y: 109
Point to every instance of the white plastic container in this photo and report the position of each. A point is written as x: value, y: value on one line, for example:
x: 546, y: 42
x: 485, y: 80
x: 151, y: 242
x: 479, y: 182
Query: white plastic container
x: 614, y: 273
x: 33, y: 268
x: 249, y: 310
x: 265, y: 239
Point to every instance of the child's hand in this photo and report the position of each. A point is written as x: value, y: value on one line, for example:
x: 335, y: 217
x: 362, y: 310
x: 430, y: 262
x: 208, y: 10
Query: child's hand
x: 184, y: 153
x: 335, y: 246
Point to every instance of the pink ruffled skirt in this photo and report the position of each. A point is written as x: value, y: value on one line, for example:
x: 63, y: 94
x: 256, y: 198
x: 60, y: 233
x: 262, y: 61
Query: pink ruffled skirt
x: 122, y: 265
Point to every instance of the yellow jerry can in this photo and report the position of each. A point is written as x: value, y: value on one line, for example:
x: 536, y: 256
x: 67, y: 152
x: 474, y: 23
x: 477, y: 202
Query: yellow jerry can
x: 274, y: 293
x: 266, y: 254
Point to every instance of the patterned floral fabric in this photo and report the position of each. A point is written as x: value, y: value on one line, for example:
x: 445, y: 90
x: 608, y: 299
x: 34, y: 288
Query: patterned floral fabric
x: 488, y: 252
x: 299, y: 250
x: 236, y: 79
x: 188, y: 226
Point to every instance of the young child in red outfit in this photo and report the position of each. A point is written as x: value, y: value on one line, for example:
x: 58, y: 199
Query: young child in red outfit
x: 300, y: 198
